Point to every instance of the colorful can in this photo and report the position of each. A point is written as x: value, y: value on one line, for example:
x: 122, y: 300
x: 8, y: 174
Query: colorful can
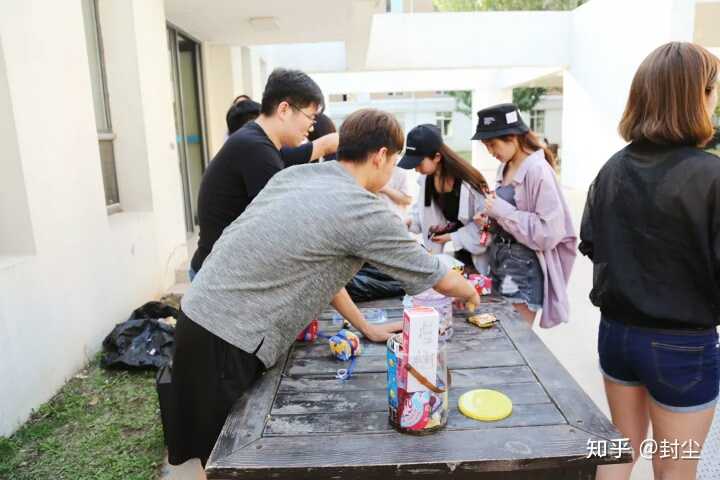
x: 419, y: 412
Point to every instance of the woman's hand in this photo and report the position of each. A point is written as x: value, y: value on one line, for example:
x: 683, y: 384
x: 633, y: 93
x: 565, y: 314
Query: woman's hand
x: 441, y: 239
x: 481, y: 219
x: 381, y: 333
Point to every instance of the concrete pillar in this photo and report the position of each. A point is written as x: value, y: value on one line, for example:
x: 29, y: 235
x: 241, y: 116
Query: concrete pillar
x: 219, y: 93
x: 596, y: 84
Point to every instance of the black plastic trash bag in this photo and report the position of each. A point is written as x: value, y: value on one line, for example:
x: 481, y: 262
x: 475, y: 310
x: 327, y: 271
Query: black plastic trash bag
x: 144, y: 341
x: 371, y: 284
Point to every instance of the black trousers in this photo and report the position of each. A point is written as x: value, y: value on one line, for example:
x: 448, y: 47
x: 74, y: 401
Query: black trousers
x: 208, y: 376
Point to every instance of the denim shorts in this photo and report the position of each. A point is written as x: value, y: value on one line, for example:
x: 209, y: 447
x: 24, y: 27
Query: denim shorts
x: 679, y: 368
x: 516, y: 274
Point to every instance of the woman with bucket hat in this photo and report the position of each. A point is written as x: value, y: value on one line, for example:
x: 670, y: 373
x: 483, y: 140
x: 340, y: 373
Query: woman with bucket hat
x: 533, y: 249
x: 451, y: 192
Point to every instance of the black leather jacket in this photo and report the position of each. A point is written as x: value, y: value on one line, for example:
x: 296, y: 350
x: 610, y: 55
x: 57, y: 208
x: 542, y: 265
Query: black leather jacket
x: 651, y: 226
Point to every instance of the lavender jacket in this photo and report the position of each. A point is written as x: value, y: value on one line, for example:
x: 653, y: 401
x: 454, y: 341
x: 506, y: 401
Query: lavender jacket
x: 542, y: 222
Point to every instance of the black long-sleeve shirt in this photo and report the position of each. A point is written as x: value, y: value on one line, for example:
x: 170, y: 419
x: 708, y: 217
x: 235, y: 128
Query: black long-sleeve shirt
x: 239, y: 171
x: 652, y: 229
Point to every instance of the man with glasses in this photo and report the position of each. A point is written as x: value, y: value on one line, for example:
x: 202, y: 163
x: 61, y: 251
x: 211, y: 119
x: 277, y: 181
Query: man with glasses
x: 251, y: 156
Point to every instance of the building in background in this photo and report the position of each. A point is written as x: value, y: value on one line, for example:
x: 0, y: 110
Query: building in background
x: 411, y: 109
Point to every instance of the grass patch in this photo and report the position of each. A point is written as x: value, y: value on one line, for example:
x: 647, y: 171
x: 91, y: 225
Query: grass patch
x: 102, y: 425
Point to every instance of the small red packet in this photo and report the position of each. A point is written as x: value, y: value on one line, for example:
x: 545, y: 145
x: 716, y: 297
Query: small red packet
x: 309, y: 333
x: 482, y: 284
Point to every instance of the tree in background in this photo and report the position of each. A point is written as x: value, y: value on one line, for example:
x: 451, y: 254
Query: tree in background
x: 524, y: 97
x: 527, y: 97
x: 463, y: 101
x: 500, y: 5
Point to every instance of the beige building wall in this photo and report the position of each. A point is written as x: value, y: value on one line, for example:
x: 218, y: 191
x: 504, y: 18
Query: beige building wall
x: 84, y: 270
x: 219, y: 92
x: 707, y: 24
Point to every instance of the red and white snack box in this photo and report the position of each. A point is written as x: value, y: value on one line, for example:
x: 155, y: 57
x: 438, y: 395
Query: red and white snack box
x: 420, y: 343
x: 482, y: 284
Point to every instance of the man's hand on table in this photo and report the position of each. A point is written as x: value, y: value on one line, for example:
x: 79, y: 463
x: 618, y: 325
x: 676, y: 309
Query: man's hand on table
x: 472, y: 302
x: 381, y: 333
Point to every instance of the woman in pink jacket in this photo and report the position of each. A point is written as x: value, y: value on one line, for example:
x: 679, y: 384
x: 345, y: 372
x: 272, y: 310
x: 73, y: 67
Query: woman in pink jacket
x: 533, y: 249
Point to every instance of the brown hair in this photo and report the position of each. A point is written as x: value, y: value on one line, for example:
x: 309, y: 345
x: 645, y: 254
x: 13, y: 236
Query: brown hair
x: 454, y: 166
x: 530, y: 143
x: 667, y: 104
x: 366, y: 131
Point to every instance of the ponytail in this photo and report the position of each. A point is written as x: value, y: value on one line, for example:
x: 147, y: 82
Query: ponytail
x: 454, y: 166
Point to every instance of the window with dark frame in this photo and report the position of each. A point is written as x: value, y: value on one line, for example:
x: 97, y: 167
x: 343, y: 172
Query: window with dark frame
x: 443, y: 120
x: 537, y: 121
x: 93, y: 37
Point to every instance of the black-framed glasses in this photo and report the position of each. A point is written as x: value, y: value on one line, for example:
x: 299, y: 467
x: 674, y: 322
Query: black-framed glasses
x: 309, y: 117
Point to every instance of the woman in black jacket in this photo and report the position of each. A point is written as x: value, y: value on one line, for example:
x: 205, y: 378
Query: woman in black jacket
x: 652, y: 229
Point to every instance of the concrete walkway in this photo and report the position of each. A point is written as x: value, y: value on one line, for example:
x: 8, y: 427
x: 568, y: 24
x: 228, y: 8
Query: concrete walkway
x: 575, y: 346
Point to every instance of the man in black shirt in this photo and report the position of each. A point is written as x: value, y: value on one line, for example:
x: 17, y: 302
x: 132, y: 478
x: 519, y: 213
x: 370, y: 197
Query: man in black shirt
x: 251, y: 156
x: 324, y: 141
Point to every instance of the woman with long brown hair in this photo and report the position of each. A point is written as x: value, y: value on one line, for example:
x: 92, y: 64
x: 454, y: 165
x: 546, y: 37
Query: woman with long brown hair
x: 451, y: 193
x: 652, y: 230
x: 533, y: 249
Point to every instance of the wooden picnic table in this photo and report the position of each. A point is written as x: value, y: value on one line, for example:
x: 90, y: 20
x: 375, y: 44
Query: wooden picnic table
x: 300, y: 422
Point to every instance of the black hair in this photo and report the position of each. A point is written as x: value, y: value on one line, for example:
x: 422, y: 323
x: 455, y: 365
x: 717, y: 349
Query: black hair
x: 292, y: 86
x: 240, y: 112
x: 323, y: 126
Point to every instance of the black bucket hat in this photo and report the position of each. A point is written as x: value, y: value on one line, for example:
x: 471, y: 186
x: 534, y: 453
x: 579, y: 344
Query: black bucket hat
x: 423, y: 141
x: 499, y: 120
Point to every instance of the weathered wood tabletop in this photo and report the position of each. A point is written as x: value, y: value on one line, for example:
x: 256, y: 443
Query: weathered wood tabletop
x: 300, y: 422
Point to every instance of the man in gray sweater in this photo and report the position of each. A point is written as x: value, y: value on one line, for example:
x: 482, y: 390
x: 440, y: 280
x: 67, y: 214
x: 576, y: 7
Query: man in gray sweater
x: 281, y: 262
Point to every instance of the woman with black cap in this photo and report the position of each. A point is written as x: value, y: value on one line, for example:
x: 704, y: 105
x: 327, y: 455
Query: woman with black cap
x: 451, y: 193
x: 533, y: 249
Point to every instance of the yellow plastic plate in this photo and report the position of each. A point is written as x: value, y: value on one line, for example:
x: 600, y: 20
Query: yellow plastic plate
x: 485, y: 405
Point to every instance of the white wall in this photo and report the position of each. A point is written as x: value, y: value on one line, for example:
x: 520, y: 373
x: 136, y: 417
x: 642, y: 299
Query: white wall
x: 16, y: 236
x: 462, y: 130
x: 405, y: 81
x: 468, y: 40
x: 88, y: 269
x: 602, y: 64
x: 309, y: 57
x: 248, y: 76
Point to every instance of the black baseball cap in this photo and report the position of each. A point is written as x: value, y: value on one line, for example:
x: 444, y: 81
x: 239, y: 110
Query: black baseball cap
x: 499, y: 120
x: 423, y: 141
